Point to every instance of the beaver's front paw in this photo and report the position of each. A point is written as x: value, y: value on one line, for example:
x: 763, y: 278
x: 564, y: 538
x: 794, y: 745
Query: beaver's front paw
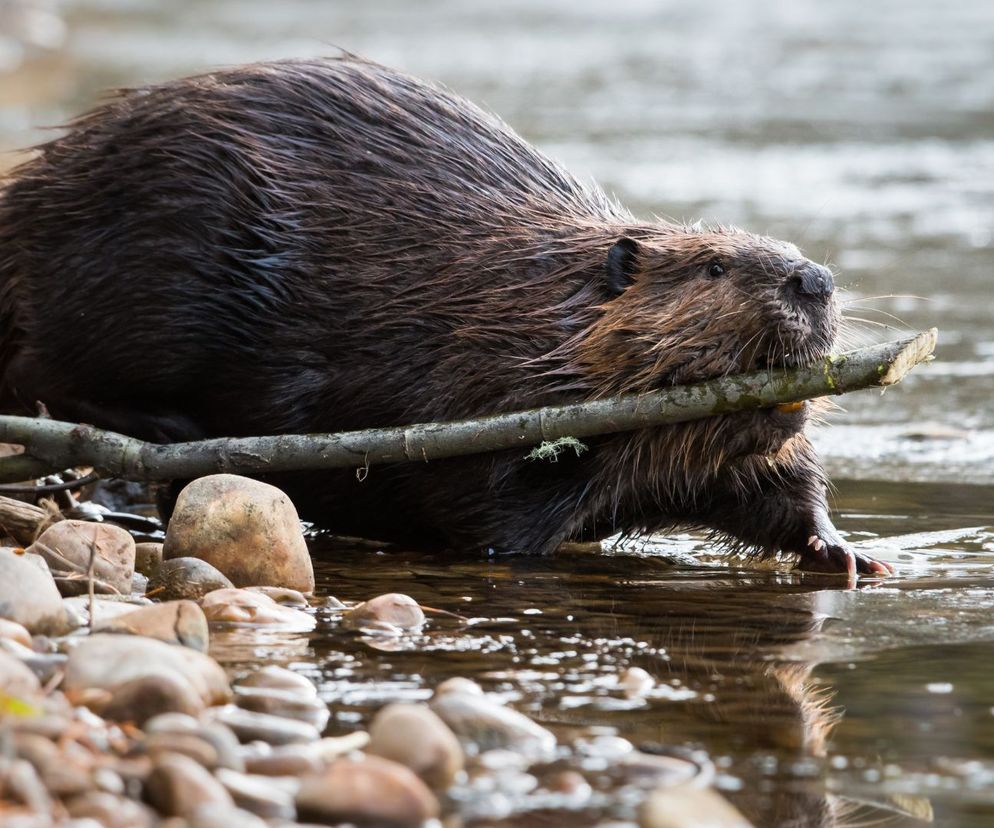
x: 835, y: 556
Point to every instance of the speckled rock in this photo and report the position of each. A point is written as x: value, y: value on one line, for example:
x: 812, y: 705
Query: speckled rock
x: 366, y: 789
x: 176, y: 622
x: 148, y: 558
x: 416, y: 737
x: 28, y: 595
x: 189, y: 578
x: 247, y: 529
x: 67, y: 546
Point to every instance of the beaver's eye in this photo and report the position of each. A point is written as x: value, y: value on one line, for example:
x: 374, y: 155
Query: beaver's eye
x: 716, y: 269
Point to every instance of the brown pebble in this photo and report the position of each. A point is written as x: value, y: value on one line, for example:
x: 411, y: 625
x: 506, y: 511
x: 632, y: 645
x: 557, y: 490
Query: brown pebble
x: 287, y: 703
x: 274, y: 730
x: 175, y: 622
x: 178, y: 786
x: 110, y: 811
x: 263, y: 796
x: 416, y: 737
x: 367, y: 789
x: 188, y: 744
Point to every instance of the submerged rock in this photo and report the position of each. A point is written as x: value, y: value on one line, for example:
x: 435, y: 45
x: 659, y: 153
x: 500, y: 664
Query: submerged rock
x: 393, y: 612
x: 28, y: 595
x: 366, y: 790
x: 416, y: 737
x: 483, y: 724
x: 68, y: 545
x: 189, y: 578
x: 243, y: 606
x: 175, y: 622
x: 247, y: 529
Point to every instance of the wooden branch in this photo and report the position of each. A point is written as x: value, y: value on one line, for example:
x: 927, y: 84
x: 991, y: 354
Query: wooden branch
x: 60, y: 445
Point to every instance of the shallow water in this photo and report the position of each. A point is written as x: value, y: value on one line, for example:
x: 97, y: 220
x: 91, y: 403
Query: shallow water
x: 864, y: 131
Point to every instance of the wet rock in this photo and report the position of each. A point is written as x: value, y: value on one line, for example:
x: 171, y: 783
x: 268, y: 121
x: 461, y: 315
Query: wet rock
x: 458, y: 684
x: 148, y: 558
x: 12, y: 631
x: 17, y: 681
x: 224, y: 816
x: 686, y: 806
x: 280, y: 678
x: 68, y: 545
x: 300, y: 759
x: 274, y: 730
x: 28, y: 595
x: 284, y: 596
x: 367, y: 789
x: 260, y: 795
x: 189, y: 578
x: 483, y: 724
x: 111, y: 811
x: 105, y: 607
x: 218, y: 736
x: 178, y: 786
x: 125, y: 665
x: 176, y: 622
x: 416, y: 737
x: 242, y: 606
x: 188, y: 744
x: 635, y: 683
x: 19, y: 783
x: 393, y: 612
x: 249, y: 530
x: 287, y: 703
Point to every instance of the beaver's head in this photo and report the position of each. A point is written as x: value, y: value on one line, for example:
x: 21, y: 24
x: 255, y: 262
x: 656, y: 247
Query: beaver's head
x: 685, y: 304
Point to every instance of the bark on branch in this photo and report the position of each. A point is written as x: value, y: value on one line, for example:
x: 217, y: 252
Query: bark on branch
x: 56, y: 445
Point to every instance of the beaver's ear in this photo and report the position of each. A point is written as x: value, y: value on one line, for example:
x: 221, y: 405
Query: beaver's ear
x: 622, y: 264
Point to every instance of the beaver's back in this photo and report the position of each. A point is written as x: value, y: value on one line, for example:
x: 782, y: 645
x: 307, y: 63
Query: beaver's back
x: 293, y: 246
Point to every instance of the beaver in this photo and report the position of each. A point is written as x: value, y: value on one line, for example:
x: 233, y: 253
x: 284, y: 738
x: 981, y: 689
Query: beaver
x: 325, y: 245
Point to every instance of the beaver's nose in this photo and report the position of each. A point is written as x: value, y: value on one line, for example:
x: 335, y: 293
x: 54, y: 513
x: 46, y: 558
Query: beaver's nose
x: 812, y: 279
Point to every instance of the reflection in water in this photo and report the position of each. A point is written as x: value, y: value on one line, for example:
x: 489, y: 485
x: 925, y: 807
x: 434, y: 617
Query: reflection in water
x: 552, y: 635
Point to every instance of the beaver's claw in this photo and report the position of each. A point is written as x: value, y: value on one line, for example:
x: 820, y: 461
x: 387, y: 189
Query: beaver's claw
x: 827, y: 552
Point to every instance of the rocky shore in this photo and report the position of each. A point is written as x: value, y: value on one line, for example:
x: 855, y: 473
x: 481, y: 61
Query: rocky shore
x: 114, y: 713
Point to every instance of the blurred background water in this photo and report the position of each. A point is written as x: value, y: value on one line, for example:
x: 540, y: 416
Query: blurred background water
x: 861, y: 129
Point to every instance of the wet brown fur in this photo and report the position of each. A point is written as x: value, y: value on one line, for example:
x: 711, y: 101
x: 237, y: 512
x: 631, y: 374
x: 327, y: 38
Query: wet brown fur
x: 328, y: 245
